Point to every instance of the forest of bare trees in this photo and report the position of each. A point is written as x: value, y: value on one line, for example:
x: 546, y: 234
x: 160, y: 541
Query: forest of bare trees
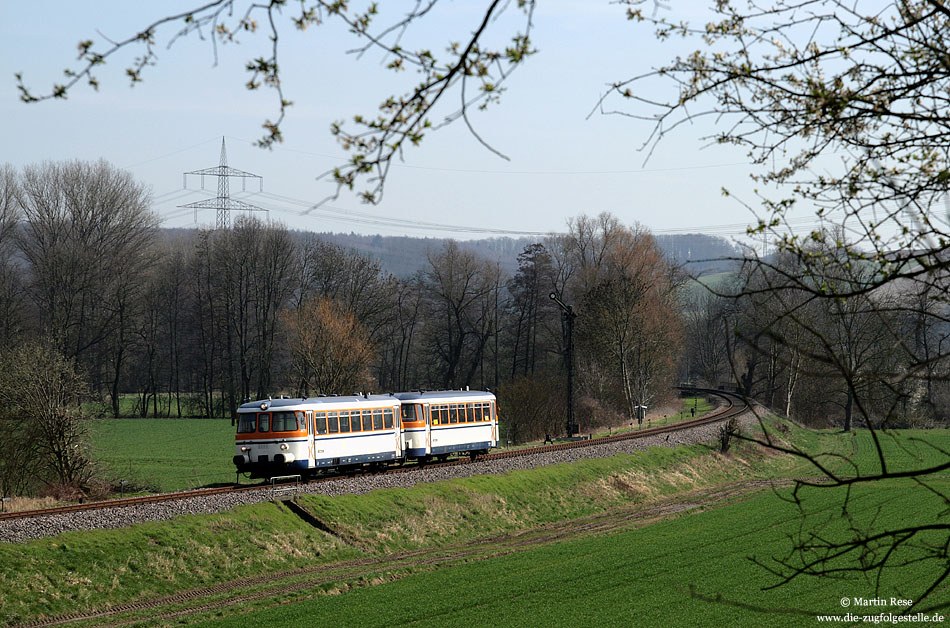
x: 159, y: 324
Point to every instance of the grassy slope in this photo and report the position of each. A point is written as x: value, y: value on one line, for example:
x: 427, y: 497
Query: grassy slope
x: 89, y: 570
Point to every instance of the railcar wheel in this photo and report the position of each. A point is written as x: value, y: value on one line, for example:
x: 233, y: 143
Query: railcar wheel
x: 443, y: 457
x: 473, y: 455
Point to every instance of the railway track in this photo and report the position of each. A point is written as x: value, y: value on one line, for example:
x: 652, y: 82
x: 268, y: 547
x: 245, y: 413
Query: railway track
x: 732, y: 405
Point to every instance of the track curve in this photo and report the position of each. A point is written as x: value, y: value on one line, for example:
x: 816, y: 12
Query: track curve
x: 732, y: 406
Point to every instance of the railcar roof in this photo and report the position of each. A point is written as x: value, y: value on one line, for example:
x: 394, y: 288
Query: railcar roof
x: 274, y: 404
x: 426, y: 395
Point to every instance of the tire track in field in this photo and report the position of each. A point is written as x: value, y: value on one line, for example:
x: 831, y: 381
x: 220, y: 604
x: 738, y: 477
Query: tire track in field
x: 366, y: 571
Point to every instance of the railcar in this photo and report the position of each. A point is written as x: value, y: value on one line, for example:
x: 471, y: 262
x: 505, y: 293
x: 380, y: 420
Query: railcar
x: 299, y: 436
x: 302, y: 436
x: 439, y: 423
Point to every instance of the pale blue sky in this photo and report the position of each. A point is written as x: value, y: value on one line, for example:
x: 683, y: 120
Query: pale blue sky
x: 562, y: 164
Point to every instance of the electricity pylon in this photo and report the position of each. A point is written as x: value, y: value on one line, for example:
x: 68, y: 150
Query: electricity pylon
x: 224, y: 204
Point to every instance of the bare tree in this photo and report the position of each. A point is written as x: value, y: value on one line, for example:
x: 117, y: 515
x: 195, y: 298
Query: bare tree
x: 357, y: 282
x: 628, y: 317
x: 399, y: 368
x: 459, y: 289
x: 331, y: 354
x: 705, y: 337
x: 842, y: 107
x: 11, y: 286
x: 530, y: 307
x: 40, y: 393
x: 87, y: 238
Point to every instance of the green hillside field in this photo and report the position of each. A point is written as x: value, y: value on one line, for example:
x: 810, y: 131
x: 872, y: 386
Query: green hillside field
x: 665, y: 537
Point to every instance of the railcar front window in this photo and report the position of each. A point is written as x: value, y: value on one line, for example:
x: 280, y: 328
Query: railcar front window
x: 263, y: 422
x: 285, y: 422
x: 247, y: 422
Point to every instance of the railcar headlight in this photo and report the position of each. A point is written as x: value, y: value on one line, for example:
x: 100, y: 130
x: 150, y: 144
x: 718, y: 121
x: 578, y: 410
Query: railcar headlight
x: 244, y: 448
x: 283, y: 446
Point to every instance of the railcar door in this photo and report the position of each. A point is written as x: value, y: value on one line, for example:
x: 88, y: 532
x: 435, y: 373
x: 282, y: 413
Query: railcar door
x: 310, y: 443
x: 494, y: 424
x: 397, y: 429
x: 425, y: 410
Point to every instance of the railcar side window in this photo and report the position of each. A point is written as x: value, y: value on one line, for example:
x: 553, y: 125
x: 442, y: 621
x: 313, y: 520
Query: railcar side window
x: 378, y: 419
x: 334, y: 422
x: 492, y: 405
x: 284, y: 422
x: 478, y: 411
x: 263, y: 422
x: 344, y: 421
x: 453, y: 413
x: 247, y: 422
x: 321, y: 422
x: 355, y: 420
x: 367, y: 421
x: 388, y: 418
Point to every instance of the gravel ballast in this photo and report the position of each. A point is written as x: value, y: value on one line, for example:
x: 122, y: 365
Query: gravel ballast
x: 19, y: 530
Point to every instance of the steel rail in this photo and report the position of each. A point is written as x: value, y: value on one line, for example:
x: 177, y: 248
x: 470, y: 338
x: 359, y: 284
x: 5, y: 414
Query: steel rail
x: 733, y: 405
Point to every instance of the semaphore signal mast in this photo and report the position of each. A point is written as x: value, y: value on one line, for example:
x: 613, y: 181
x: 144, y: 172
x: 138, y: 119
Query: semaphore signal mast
x: 223, y: 203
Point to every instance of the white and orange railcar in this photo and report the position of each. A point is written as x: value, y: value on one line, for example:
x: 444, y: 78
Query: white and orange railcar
x: 444, y: 422
x: 302, y: 436
x: 299, y: 436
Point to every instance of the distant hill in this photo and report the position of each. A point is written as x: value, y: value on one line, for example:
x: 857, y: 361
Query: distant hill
x: 700, y: 254
x: 403, y: 256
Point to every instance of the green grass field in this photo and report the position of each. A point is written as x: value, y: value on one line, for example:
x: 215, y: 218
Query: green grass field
x: 631, y: 540
x: 165, y: 454
x: 668, y: 574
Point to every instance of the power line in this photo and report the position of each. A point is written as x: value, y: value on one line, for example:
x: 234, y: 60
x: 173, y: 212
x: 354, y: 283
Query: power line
x: 171, y: 154
x: 327, y: 212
